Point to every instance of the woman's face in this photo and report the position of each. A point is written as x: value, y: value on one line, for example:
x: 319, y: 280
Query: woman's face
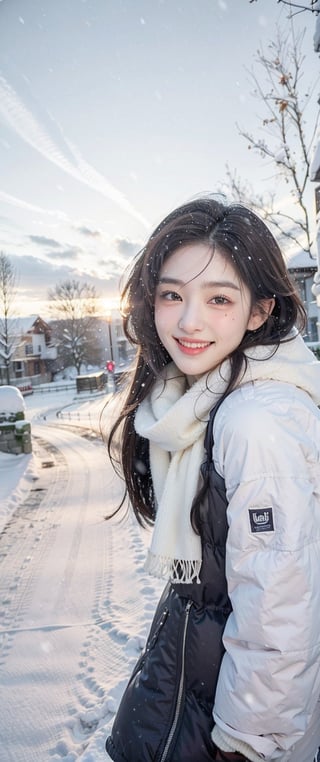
x: 201, y: 308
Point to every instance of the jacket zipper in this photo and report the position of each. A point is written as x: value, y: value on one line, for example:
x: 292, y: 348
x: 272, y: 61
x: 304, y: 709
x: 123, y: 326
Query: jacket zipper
x: 149, y: 645
x: 173, y: 728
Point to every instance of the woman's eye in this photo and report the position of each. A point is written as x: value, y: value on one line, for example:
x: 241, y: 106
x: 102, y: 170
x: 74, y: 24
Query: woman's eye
x: 219, y: 300
x: 170, y: 296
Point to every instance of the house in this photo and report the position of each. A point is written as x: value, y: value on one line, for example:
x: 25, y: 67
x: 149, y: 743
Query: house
x: 32, y: 352
x: 302, y: 268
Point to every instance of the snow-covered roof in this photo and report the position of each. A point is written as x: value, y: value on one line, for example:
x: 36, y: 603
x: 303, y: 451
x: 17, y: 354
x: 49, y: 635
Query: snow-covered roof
x: 21, y: 325
x: 297, y: 259
x: 11, y: 400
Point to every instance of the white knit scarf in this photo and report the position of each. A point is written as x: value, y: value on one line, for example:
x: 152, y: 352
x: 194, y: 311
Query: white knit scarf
x: 174, y: 418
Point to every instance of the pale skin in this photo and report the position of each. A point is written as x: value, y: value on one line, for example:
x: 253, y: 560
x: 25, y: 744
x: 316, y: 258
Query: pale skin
x: 202, y: 310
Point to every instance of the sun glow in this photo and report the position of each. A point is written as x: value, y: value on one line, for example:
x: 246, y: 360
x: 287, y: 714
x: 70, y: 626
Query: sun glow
x: 110, y: 304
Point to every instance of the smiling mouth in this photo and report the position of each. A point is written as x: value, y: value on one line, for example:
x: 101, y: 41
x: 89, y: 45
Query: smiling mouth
x: 193, y: 345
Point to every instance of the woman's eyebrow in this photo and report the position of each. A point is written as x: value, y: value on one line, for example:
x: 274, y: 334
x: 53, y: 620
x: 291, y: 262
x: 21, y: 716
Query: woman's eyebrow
x: 205, y: 284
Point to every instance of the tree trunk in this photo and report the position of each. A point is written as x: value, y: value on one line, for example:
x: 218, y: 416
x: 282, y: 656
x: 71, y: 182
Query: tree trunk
x: 8, y: 374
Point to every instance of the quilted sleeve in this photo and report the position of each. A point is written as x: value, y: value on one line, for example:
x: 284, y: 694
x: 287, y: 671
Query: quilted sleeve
x: 269, y: 680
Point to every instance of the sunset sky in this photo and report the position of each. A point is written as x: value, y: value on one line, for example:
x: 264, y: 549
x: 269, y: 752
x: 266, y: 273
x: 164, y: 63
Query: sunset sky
x: 112, y: 112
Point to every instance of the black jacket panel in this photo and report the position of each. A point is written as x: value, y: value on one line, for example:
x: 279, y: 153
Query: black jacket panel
x: 166, y: 711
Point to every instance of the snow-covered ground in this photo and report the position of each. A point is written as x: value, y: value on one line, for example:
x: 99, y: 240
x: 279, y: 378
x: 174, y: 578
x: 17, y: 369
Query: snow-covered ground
x: 75, y: 602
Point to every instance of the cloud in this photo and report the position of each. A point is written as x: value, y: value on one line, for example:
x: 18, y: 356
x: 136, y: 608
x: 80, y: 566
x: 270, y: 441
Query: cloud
x: 86, y: 231
x: 65, y: 252
x: 112, y: 264
x: 36, y: 276
x: 50, y: 142
x: 72, y: 252
x: 19, y: 202
x: 127, y: 248
x: 42, y: 240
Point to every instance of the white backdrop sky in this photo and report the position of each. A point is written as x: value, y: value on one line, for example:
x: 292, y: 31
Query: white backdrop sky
x: 112, y: 112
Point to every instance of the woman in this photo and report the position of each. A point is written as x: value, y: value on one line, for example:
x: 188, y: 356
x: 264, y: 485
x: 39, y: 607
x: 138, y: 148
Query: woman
x: 220, y: 449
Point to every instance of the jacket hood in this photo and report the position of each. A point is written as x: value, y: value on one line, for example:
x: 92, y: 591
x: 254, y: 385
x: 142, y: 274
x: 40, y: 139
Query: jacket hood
x: 292, y: 362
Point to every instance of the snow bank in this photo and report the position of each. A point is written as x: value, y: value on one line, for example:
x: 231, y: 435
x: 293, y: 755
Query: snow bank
x: 17, y: 474
x: 11, y: 401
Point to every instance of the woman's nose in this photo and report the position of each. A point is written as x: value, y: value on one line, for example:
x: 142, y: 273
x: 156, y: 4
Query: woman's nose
x: 191, y: 319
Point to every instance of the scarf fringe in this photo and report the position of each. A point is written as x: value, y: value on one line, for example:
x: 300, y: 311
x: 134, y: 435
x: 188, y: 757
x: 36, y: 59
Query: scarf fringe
x: 183, y: 572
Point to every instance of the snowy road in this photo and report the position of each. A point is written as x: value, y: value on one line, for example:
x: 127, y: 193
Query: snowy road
x: 75, y: 606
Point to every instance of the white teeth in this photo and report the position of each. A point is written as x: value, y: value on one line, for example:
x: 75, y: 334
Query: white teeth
x: 193, y: 345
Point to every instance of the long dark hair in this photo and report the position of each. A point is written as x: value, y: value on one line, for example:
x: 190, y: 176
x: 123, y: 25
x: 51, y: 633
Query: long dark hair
x: 247, y: 243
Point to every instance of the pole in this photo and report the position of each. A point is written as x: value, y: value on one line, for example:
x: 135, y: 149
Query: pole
x: 110, y: 338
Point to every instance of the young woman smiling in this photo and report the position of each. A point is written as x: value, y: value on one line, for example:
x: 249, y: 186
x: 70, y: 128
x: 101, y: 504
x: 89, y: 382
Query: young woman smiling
x: 220, y: 451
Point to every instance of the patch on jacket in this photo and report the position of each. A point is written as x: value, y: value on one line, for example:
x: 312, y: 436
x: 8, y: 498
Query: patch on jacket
x: 261, y: 519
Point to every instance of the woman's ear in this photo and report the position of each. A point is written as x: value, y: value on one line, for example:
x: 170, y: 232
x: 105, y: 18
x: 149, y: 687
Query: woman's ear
x: 260, y: 313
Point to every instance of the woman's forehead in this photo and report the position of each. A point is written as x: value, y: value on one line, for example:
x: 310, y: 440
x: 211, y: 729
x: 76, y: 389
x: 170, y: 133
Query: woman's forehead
x: 199, y: 261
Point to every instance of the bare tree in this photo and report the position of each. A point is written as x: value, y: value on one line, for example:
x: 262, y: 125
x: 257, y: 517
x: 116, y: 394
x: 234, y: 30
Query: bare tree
x: 8, y: 280
x: 278, y: 86
x: 242, y: 192
x: 298, y: 8
x: 74, y: 304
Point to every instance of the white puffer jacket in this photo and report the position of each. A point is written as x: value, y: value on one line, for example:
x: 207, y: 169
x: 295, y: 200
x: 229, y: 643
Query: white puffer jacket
x: 267, y: 448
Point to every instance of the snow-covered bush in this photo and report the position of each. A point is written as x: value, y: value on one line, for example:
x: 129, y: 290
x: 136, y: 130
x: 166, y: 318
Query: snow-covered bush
x: 12, y: 405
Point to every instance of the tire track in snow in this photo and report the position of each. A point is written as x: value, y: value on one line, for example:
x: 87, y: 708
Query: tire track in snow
x: 126, y: 599
x: 48, y: 620
x: 29, y: 532
x: 78, y: 655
